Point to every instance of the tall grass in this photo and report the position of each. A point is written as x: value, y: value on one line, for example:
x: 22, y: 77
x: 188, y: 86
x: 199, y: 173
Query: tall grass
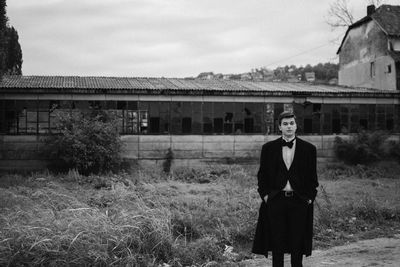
x: 71, y: 220
x: 49, y: 227
x: 186, y: 218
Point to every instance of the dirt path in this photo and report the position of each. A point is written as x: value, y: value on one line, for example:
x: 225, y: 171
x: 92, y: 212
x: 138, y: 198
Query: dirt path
x: 374, y: 252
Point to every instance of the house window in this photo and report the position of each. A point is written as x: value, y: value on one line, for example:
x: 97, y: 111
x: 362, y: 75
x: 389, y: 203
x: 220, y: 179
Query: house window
x: 372, y: 70
x: 389, y: 68
x: 390, y: 46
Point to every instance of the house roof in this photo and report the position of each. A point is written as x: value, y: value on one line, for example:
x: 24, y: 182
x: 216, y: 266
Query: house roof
x: 386, y: 16
x: 395, y: 55
x: 173, y: 86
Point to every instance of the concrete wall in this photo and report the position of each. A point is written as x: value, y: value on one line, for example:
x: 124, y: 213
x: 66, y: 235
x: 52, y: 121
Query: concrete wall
x: 25, y: 152
x: 359, y: 75
x: 22, y: 152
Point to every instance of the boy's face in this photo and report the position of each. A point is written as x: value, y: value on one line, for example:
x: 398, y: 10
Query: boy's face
x: 288, y: 127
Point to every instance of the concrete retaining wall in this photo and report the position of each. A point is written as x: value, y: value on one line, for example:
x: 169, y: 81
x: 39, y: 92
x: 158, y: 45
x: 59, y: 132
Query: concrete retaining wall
x: 25, y: 152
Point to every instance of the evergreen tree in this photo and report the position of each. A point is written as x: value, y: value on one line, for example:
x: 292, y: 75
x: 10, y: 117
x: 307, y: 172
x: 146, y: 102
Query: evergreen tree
x: 13, y: 60
x: 3, y: 26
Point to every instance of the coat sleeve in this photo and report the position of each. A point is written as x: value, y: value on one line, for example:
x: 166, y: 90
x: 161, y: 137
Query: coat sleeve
x: 262, y: 175
x: 313, y: 173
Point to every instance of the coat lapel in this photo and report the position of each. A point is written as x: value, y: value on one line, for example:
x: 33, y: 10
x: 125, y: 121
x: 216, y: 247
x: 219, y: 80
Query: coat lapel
x: 280, y: 155
x: 296, y: 153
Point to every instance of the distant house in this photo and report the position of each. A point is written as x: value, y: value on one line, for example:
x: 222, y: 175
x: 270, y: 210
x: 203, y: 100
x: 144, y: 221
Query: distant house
x: 293, y: 79
x: 218, y: 76
x: 310, y: 76
x: 369, y: 55
x: 206, y: 75
x: 246, y: 76
x: 257, y: 76
x: 333, y: 81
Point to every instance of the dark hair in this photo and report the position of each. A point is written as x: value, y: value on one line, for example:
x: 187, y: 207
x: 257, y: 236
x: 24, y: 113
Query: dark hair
x: 286, y: 115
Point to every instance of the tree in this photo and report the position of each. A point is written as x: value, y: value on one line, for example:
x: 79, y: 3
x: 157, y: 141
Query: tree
x: 87, y: 142
x: 10, y: 49
x: 323, y: 72
x: 3, y: 26
x: 13, y: 60
x: 340, y: 13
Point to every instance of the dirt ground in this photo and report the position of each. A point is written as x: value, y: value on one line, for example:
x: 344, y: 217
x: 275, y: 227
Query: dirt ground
x: 373, y: 252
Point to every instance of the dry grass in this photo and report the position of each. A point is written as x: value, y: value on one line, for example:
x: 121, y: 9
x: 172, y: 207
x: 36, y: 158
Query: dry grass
x: 146, y: 219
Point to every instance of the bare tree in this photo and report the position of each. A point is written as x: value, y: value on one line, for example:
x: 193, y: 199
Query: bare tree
x: 375, y: 2
x: 340, y: 14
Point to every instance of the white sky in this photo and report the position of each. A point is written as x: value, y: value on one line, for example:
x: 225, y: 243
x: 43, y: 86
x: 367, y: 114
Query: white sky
x: 172, y: 38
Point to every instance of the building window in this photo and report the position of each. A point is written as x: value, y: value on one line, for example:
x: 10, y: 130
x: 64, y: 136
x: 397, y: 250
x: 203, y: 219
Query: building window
x: 372, y: 70
x: 269, y: 118
x: 207, y: 118
x: 228, y: 117
x: 219, y: 115
x: 165, y: 117
x: 196, y: 118
x: 238, y: 119
x: 176, y: 117
x: 156, y: 117
x: 389, y: 68
x: 186, y: 125
x: 390, y: 46
x: 154, y: 123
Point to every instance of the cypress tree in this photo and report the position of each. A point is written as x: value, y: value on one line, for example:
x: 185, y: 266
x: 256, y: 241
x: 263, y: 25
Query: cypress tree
x: 10, y: 49
x: 13, y: 60
x: 3, y: 27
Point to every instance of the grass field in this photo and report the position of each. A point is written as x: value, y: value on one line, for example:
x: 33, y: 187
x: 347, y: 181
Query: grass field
x: 190, y: 218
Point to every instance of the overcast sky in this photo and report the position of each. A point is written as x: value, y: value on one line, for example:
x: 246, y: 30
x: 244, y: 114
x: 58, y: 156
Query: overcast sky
x: 171, y: 38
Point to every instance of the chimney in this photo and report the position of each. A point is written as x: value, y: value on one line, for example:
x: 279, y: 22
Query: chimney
x: 370, y: 10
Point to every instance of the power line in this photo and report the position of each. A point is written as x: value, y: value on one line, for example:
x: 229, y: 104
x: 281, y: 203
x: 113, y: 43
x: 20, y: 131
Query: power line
x: 302, y: 53
x: 299, y: 54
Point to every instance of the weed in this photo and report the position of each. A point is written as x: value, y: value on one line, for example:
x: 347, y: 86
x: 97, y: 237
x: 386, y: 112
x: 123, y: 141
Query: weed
x: 147, y: 220
x: 336, y: 171
x: 366, y: 147
x: 168, y: 161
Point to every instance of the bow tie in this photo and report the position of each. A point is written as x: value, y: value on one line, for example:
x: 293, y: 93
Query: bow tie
x: 288, y: 144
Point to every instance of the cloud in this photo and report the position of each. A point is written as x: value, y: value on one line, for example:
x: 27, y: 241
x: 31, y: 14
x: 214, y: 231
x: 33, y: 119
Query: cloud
x: 172, y: 38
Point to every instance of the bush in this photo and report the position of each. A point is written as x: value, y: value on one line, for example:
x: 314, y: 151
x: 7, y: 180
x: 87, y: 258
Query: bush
x: 363, y: 148
x: 394, y: 150
x: 89, y: 143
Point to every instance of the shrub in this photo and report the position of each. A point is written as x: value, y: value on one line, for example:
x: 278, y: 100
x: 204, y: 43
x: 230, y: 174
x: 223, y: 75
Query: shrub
x: 89, y: 143
x: 363, y: 148
x: 201, y: 175
x: 168, y: 161
x: 393, y: 149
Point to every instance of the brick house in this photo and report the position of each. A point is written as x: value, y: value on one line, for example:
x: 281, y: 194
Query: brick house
x: 369, y: 55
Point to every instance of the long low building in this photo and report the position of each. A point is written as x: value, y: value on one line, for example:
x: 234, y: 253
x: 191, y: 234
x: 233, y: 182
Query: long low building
x: 199, y: 120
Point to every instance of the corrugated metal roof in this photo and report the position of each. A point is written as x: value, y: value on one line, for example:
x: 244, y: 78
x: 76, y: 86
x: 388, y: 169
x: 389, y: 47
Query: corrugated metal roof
x: 78, y: 83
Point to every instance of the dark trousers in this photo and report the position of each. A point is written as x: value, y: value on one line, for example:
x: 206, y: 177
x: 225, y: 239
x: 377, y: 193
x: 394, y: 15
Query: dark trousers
x: 296, y: 259
x: 288, y: 218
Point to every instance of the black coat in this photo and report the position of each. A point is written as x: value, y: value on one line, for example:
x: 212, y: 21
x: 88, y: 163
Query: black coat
x: 271, y: 180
